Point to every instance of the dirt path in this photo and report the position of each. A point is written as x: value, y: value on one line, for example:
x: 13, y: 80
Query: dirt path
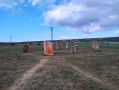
x: 103, y: 82
x: 27, y: 75
x: 18, y: 83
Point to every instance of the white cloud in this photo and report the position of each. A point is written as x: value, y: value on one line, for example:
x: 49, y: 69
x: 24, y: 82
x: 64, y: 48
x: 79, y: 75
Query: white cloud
x: 117, y: 33
x: 83, y: 35
x: 87, y: 15
x: 15, y: 12
x: 34, y: 2
x: 41, y: 2
x: 73, y: 37
x: 10, y: 3
x: 41, y: 34
x: 91, y: 28
x: 21, y: 1
x: 65, y: 37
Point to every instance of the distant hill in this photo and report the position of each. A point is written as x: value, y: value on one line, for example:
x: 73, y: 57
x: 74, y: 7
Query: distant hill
x: 106, y: 39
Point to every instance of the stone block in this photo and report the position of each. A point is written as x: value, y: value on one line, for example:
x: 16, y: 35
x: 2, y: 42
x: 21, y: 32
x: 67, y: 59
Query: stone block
x: 48, y: 50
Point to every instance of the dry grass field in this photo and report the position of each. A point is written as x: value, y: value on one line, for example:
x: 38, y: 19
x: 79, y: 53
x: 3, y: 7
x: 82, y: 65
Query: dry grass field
x: 86, y: 70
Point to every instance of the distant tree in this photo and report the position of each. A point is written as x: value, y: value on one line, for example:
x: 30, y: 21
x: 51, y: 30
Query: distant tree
x: 12, y: 43
x: 38, y: 43
x: 30, y: 43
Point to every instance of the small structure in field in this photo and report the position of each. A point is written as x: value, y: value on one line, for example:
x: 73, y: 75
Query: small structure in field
x: 67, y: 45
x: 25, y: 48
x: 48, y: 50
x: 95, y: 45
x: 98, y: 46
x: 57, y: 45
x: 74, y: 49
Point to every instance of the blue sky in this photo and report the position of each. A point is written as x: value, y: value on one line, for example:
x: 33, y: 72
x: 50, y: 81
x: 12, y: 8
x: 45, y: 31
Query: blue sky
x: 29, y: 20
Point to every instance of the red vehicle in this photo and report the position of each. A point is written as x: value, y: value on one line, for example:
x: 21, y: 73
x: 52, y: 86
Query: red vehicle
x: 25, y: 48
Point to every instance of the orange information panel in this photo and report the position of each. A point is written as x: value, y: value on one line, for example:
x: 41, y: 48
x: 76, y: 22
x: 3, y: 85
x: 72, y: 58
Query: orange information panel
x: 48, y: 48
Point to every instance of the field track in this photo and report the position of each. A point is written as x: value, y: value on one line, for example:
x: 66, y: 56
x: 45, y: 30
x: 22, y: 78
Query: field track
x: 19, y: 82
x: 98, y: 80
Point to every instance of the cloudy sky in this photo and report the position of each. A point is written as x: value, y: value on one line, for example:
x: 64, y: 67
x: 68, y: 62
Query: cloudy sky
x: 29, y: 20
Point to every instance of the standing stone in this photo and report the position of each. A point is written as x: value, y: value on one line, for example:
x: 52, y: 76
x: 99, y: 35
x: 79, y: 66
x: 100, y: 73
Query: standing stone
x: 76, y: 47
x: 73, y: 49
x: 98, y: 46
x: 48, y: 50
x: 25, y: 48
x: 67, y: 45
x: 95, y: 45
x: 57, y: 45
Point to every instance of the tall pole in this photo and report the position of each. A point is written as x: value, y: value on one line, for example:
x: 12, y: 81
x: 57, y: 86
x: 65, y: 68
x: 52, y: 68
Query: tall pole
x: 51, y: 28
x: 10, y: 38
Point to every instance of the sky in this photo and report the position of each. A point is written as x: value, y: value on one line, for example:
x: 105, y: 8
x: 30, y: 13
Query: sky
x: 30, y: 20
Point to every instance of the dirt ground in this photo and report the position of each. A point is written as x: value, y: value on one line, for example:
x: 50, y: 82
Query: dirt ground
x: 86, y: 70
